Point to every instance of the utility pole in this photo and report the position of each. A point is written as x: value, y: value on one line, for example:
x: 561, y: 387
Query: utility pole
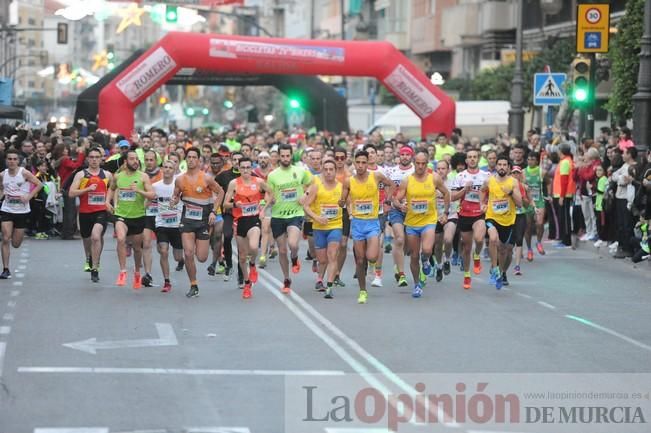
x: 344, y: 79
x: 516, y: 113
x: 642, y: 99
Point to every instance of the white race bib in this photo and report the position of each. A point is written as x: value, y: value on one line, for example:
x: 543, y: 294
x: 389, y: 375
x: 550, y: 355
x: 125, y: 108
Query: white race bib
x: 289, y: 194
x: 363, y: 207
x: 96, y: 198
x: 419, y: 206
x: 152, y: 208
x: 329, y: 211
x: 500, y: 206
x: 250, y: 209
x: 171, y: 218
x: 472, y: 196
x: 193, y: 212
x: 127, y: 195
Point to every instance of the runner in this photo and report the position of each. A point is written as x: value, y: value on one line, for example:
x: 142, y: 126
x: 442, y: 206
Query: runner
x: 195, y: 188
x: 521, y: 216
x: 503, y: 193
x: 467, y: 187
x: 229, y: 172
x: 446, y: 228
x: 322, y: 205
x: 419, y: 190
x: 262, y: 171
x: 167, y: 222
x: 314, y: 158
x: 342, y: 173
x: 396, y: 216
x: 16, y: 185
x: 130, y: 189
x: 374, y: 167
x: 536, y: 220
x: 286, y: 185
x: 360, y: 191
x: 151, y: 210
x: 217, y: 229
x: 244, y: 196
x: 91, y: 186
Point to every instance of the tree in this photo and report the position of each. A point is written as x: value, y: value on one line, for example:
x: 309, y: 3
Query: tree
x: 624, y: 57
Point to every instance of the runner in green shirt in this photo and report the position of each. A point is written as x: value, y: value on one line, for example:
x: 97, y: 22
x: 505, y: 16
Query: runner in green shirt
x: 287, y: 184
x: 536, y: 217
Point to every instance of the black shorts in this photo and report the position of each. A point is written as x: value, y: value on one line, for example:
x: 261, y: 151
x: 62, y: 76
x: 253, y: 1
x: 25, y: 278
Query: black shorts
x: 244, y: 224
x: 19, y: 219
x: 199, y: 228
x: 169, y: 235
x: 279, y: 225
x: 519, y: 228
x: 440, y: 228
x: 150, y: 223
x: 307, y: 228
x: 505, y: 233
x: 346, y: 223
x: 135, y: 226
x: 466, y: 223
x: 87, y: 222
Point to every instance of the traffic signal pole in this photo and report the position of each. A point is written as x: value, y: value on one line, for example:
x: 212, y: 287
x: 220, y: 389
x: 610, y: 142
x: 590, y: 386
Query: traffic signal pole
x: 592, y: 95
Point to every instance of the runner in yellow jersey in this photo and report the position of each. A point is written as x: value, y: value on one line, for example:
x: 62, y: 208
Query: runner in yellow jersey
x: 503, y: 198
x: 360, y: 192
x: 421, y: 216
x: 322, y: 205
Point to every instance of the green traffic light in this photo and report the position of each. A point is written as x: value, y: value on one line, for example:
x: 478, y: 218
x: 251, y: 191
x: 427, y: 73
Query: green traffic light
x: 205, y: 111
x: 171, y: 14
x: 167, y: 107
x: 294, y: 103
x: 228, y: 104
x: 189, y: 112
x: 580, y: 95
x: 110, y: 55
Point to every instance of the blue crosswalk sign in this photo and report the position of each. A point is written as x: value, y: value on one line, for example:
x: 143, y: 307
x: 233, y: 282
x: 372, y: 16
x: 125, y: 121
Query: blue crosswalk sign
x: 548, y: 89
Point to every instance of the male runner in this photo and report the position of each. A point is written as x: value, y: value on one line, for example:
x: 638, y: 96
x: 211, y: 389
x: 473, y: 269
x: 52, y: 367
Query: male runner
x: 262, y: 171
x: 467, y: 187
x: 314, y: 158
x: 195, y: 188
x: 446, y: 228
x: 285, y: 194
x: 91, y: 186
x: 361, y: 193
x: 342, y: 173
x: 374, y: 167
x: 420, y: 189
x: 16, y: 185
x: 151, y: 210
x: 521, y: 216
x: 396, y: 216
x: 229, y: 172
x: 322, y: 205
x: 244, y: 196
x: 167, y: 222
x: 534, y: 179
x: 504, y: 196
x: 130, y: 189
x: 217, y: 229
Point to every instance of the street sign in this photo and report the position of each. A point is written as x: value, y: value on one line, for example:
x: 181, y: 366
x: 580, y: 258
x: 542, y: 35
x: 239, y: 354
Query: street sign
x: 548, y: 89
x: 592, y: 28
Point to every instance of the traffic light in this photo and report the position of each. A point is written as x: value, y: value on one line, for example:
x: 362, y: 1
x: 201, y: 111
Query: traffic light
x: 294, y: 103
x: 163, y: 100
x: 190, y: 112
x: 171, y: 14
x: 228, y: 104
x: 110, y: 56
x: 167, y: 107
x: 581, y: 89
x: 205, y: 111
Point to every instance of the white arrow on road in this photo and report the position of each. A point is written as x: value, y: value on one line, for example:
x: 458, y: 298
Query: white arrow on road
x: 166, y: 337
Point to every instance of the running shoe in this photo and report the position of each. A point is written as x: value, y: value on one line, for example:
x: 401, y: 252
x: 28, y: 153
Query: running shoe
x: 417, y: 292
x: 253, y: 273
x: 296, y: 265
x: 94, y: 275
x: 402, y: 281
x: 517, y: 271
x: 598, y: 243
x: 122, y: 278
x: 227, y: 274
x: 286, y: 286
x: 315, y: 266
x: 220, y: 269
x: 530, y: 255
x: 167, y: 287
x: 540, y: 249
x: 466, y: 283
x: 493, y: 276
x: 137, y: 281
x: 262, y: 262
x: 499, y: 282
x: 505, y: 281
x: 329, y: 293
x: 147, y: 280
x: 422, y: 277
x: 439, y: 275
x: 455, y: 259
x: 273, y: 253
x: 377, y: 281
x: 88, y: 266
x: 179, y: 265
x: 211, y: 269
x: 246, y: 293
x: 476, y: 264
x: 426, y: 268
x: 337, y: 282
x: 363, y: 297
x: 446, y: 268
x: 319, y: 287
x: 193, y: 292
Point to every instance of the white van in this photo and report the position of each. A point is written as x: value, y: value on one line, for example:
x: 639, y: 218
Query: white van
x: 483, y: 119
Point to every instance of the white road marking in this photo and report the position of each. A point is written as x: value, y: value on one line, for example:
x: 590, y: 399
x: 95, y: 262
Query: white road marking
x: 5, y: 330
x: 217, y: 430
x: 73, y: 430
x: 609, y: 331
x: 166, y: 337
x: 24, y: 254
x: 523, y: 295
x: 178, y: 371
x: 21, y: 267
x: 20, y: 275
x: 3, y: 348
x: 18, y: 283
x: 15, y: 293
x: 11, y: 304
x: 356, y: 430
x: 23, y: 261
x: 8, y: 317
x: 546, y: 305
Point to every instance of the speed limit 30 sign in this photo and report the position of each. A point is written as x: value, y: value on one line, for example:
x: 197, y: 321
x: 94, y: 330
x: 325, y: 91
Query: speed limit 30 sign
x: 592, y: 28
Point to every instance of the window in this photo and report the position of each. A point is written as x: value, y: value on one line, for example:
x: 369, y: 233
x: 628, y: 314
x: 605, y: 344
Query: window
x: 31, y: 21
x: 31, y: 84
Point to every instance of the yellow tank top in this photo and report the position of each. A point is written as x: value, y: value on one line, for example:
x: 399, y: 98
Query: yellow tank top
x: 326, y: 204
x: 421, y: 202
x: 501, y: 207
x: 364, y: 198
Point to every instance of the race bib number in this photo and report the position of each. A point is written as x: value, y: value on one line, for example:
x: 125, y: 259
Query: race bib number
x: 500, y: 206
x: 535, y: 194
x: 419, y: 206
x: 152, y: 208
x: 127, y: 195
x: 472, y: 196
x: 96, y: 198
x: 171, y: 218
x: 250, y: 209
x: 329, y: 211
x: 363, y: 207
x: 289, y: 194
x: 14, y: 202
x: 193, y: 212
x: 440, y: 206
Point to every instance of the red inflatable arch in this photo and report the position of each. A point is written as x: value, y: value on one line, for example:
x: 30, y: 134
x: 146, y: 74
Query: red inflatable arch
x: 254, y: 55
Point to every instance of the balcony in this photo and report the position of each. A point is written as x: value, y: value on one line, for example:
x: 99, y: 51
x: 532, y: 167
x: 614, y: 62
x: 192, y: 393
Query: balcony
x: 460, y: 26
x: 497, y: 16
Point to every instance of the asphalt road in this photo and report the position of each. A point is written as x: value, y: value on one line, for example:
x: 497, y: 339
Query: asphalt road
x: 163, y: 363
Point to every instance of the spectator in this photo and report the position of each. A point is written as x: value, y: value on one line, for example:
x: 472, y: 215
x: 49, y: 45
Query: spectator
x: 625, y: 139
x: 586, y: 177
x: 624, y: 217
x: 564, y: 189
x: 65, y: 167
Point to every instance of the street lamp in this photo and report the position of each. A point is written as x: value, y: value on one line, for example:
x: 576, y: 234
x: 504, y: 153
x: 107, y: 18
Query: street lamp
x: 516, y: 113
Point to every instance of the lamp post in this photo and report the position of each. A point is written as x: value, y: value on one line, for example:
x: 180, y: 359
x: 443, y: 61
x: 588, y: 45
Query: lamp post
x: 642, y: 99
x: 516, y: 113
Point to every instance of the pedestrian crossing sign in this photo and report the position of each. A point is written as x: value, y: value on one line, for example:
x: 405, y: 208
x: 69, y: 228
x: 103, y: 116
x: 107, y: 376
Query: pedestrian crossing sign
x: 548, y: 88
